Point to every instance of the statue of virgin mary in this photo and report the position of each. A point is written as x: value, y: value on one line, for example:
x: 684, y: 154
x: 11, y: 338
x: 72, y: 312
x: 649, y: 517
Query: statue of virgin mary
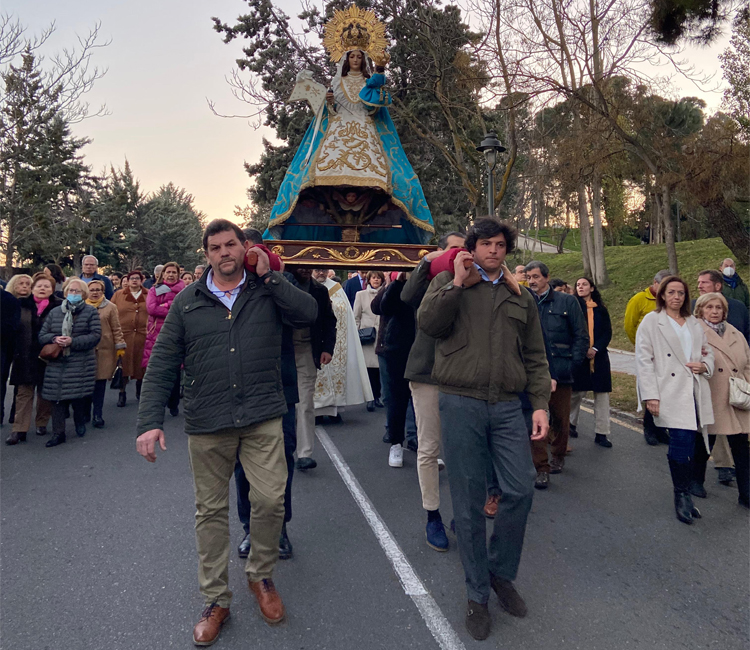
x: 350, y: 179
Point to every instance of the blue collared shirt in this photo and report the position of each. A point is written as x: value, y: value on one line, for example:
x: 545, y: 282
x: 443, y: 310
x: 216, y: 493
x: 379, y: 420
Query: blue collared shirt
x: 484, y: 275
x: 227, y: 297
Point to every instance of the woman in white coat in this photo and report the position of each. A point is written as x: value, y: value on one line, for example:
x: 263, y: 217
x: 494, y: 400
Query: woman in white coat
x: 673, y: 361
x: 364, y: 318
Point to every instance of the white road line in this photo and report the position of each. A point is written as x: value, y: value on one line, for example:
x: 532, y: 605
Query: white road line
x: 413, y: 587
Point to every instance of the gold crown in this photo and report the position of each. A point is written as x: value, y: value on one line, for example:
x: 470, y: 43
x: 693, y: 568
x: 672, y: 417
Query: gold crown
x: 354, y: 29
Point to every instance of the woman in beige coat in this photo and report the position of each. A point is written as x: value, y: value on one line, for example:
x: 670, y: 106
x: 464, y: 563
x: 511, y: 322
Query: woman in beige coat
x: 731, y: 359
x: 110, y: 348
x: 131, y: 307
x: 364, y: 318
x: 673, y: 361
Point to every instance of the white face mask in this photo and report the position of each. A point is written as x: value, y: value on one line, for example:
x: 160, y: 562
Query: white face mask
x: 729, y: 271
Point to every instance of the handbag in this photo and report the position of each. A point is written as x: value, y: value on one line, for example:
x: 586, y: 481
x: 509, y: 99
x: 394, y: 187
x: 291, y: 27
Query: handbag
x: 739, y: 393
x: 367, y: 335
x: 50, y: 351
x: 116, y: 383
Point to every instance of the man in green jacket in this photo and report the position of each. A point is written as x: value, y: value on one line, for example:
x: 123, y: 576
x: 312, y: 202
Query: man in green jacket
x: 490, y: 348
x: 225, y: 330
x: 734, y: 287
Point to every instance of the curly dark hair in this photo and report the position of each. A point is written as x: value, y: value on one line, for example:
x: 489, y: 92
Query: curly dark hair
x: 488, y: 227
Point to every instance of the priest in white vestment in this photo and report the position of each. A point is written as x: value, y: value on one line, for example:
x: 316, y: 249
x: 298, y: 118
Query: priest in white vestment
x: 344, y: 381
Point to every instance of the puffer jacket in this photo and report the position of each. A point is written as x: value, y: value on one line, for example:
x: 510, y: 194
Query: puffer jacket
x: 72, y: 376
x: 232, y: 360
x: 158, y: 308
x: 28, y: 368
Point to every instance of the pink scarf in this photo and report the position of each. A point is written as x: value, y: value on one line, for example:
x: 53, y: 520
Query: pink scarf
x: 41, y: 305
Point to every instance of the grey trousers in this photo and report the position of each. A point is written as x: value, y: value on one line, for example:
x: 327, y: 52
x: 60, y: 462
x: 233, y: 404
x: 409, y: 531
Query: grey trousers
x: 473, y: 429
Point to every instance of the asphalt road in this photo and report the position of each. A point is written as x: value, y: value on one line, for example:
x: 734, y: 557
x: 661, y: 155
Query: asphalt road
x: 98, y: 552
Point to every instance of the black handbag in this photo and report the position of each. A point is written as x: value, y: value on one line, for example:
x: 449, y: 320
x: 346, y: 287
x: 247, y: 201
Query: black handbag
x: 117, y: 383
x: 367, y: 335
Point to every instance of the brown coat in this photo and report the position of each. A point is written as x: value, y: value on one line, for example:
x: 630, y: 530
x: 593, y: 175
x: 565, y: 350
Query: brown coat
x: 112, y: 340
x: 731, y: 357
x: 133, y: 319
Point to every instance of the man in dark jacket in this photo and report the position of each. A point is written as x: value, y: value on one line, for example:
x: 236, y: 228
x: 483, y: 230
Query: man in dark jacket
x: 396, y: 334
x: 710, y: 281
x: 226, y: 331
x: 354, y: 285
x: 490, y: 348
x: 733, y: 286
x: 313, y: 348
x: 89, y: 266
x: 425, y: 396
x: 564, y: 326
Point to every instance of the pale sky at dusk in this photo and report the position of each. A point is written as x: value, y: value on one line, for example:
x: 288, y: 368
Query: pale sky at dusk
x: 164, y: 61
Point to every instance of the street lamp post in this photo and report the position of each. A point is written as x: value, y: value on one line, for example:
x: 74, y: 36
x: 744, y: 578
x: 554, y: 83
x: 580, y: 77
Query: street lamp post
x: 491, y: 147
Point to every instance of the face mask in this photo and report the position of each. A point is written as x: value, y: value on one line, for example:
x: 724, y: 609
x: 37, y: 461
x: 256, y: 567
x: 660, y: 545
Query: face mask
x: 74, y: 298
x: 729, y: 271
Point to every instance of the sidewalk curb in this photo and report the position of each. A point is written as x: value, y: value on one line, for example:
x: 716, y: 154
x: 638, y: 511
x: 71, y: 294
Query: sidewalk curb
x: 620, y: 414
x: 616, y: 351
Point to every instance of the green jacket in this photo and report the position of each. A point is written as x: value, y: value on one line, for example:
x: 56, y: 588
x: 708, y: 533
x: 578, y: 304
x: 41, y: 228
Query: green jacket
x: 232, y: 360
x: 498, y: 338
x: 738, y: 292
x: 422, y: 354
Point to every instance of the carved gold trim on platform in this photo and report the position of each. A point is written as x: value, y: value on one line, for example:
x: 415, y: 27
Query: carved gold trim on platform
x: 350, y: 254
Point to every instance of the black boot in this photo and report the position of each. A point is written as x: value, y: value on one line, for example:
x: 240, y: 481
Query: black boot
x: 122, y: 399
x: 683, y: 503
x: 285, y: 546
x: 138, y: 385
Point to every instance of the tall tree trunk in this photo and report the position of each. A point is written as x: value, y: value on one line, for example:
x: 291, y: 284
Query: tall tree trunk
x: 730, y: 228
x: 587, y: 245
x: 601, y: 277
x: 666, y: 215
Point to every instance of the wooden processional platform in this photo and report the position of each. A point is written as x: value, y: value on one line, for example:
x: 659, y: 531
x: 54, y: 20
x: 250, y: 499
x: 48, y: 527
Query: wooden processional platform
x: 350, y: 255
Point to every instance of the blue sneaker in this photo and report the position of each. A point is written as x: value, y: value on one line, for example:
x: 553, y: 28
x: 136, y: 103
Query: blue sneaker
x: 436, y: 537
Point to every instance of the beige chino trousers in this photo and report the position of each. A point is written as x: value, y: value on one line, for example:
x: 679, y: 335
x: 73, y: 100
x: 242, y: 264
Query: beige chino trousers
x: 25, y: 407
x: 307, y: 375
x: 426, y: 398
x: 212, y: 458
x: 601, y: 410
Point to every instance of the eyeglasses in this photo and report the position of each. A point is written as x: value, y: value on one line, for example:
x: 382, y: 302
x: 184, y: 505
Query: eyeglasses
x: 72, y: 290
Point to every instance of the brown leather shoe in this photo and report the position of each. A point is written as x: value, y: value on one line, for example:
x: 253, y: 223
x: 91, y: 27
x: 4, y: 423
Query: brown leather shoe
x: 490, y: 507
x: 269, y: 601
x: 208, y: 628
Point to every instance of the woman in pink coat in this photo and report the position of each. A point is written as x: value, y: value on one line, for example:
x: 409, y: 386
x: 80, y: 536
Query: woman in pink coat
x: 158, y: 302
x: 731, y: 359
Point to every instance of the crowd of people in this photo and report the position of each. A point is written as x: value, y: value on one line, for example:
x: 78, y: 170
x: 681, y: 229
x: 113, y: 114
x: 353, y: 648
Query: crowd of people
x: 487, y: 365
x: 65, y: 339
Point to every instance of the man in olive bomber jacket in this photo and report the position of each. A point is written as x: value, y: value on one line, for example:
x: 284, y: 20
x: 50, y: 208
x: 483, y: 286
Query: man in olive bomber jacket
x: 490, y: 348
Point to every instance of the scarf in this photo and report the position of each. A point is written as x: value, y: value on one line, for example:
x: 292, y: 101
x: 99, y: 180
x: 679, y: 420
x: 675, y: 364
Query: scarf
x: 95, y: 303
x: 732, y: 281
x: 67, y: 325
x: 41, y: 305
x: 719, y: 328
x: 590, y: 304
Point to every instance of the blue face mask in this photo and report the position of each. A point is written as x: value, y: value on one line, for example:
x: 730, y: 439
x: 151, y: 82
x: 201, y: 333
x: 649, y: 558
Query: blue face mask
x: 74, y: 298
